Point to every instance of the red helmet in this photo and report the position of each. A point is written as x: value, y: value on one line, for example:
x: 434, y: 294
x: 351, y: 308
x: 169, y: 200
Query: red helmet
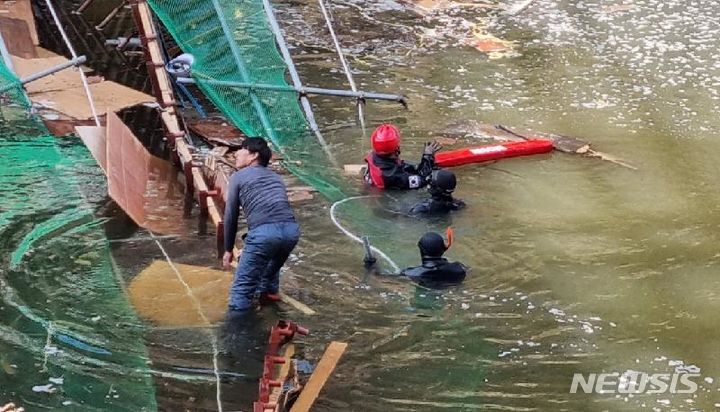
x: 385, y: 139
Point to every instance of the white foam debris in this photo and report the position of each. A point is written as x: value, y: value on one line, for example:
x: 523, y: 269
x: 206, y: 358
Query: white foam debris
x: 44, y: 388
x: 52, y: 350
x: 556, y: 312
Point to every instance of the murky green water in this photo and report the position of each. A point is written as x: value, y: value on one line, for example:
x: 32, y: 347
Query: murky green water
x: 579, y: 265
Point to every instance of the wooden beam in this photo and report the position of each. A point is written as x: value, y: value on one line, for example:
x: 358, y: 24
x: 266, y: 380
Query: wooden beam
x: 297, y: 304
x: 317, y: 380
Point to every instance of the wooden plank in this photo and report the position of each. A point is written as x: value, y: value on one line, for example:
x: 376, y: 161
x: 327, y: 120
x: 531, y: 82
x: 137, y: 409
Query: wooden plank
x: 17, y: 37
x: 354, y: 170
x: 317, y: 380
x: 21, y: 9
x: 297, y: 304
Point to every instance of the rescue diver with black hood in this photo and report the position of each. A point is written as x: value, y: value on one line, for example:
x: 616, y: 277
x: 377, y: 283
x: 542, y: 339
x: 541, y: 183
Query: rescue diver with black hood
x: 436, y: 271
x: 442, y: 185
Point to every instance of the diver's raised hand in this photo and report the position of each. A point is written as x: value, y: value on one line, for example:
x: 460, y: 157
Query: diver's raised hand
x: 432, y: 147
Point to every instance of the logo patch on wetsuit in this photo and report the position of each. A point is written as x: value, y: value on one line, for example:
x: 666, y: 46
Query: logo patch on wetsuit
x: 414, y: 181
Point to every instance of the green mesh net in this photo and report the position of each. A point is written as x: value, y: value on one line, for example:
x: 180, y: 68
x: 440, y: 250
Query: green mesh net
x: 232, y: 42
x: 11, y: 91
x: 68, y: 337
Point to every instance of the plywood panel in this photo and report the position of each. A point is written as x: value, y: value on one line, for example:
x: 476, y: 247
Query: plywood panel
x: 64, y: 91
x: 17, y: 38
x: 20, y: 9
x: 159, y: 295
x: 144, y: 186
x: 94, y: 139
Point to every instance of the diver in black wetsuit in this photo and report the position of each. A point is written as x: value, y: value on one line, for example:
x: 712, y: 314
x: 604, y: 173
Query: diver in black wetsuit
x: 442, y: 185
x: 435, y: 271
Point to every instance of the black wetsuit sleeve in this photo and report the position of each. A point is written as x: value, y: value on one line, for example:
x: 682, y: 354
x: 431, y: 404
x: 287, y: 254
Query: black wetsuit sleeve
x: 232, y: 213
x: 409, y: 176
x: 426, y: 165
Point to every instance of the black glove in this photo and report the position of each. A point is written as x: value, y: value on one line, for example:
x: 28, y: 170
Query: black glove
x: 431, y: 148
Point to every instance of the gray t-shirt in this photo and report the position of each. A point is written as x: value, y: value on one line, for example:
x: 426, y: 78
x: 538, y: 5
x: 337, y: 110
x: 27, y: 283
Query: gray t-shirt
x: 263, y: 197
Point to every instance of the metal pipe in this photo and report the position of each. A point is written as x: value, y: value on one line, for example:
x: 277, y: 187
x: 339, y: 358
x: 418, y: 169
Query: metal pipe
x: 243, y: 72
x: 83, y: 6
x: 110, y: 16
x: 75, y: 56
x: 51, y: 70
x: 307, y: 108
x: 345, y: 65
x: 46, y: 72
x: 5, y: 54
x: 305, y: 90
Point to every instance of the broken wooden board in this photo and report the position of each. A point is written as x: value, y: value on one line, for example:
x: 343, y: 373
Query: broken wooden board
x: 17, y: 37
x: 217, y: 131
x: 141, y: 184
x: 354, y: 170
x: 425, y: 7
x: 22, y: 10
x: 317, y: 380
x: 94, y: 139
x: 160, y: 296
x: 494, y: 47
x: 63, y: 92
x: 305, y: 309
x: 567, y: 144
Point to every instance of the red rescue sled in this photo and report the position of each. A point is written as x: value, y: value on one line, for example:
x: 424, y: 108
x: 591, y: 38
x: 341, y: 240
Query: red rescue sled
x: 493, y: 152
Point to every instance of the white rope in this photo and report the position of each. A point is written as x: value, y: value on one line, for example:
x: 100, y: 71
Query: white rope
x: 74, y: 56
x: 395, y: 267
x: 346, y: 68
x: 196, y: 303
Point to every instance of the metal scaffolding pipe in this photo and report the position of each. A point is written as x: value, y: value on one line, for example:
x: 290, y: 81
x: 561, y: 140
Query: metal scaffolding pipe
x: 307, y: 108
x: 51, y: 70
x: 345, y: 65
x: 47, y: 72
x: 75, y: 56
x: 305, y: 90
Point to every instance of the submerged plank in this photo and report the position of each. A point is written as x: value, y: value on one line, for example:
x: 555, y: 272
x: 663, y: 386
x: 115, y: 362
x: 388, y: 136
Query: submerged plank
x: 317, y: 380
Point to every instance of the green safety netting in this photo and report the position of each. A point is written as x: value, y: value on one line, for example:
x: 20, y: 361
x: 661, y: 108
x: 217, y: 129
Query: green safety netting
x: 232, y: 42
x: 11, y: 91
x: 68, y: 336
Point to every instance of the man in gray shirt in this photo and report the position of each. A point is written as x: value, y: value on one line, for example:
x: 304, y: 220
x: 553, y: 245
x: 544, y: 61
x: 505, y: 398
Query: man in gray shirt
x: 272, y: 230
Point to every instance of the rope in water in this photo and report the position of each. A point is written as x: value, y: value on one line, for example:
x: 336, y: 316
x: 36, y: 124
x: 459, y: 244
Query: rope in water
x: 196, y: 303
x: 74, y: 56
x: 349, y: 234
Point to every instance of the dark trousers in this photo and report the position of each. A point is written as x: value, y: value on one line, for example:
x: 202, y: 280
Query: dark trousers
x: 266, y: 249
